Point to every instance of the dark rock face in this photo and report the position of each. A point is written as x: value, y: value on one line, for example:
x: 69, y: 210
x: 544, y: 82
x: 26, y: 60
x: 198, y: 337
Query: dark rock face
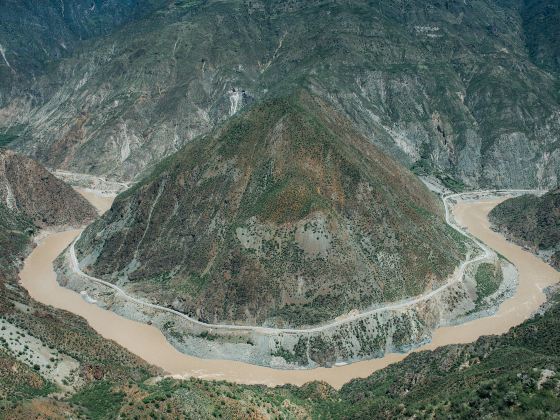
x: 285, y: 215
x: 28, y: 188
x: 533, y: 222
x: 541, y: 23
x: 466, y: 89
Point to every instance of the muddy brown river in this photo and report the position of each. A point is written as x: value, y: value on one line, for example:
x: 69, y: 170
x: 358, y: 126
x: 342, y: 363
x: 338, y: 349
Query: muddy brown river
x: 149, y: 343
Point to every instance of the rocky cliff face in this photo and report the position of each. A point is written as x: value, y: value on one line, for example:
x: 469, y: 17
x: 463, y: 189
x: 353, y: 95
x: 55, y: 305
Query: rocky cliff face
x: 30, y: 190
x: 533, y: 222
x: 286, y: 215
x: 464, y: 89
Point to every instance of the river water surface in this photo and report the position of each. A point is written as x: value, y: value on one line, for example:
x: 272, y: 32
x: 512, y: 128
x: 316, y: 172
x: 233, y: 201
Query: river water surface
x: 149, y: 343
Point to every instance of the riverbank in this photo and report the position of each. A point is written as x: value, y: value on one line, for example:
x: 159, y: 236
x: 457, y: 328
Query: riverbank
x: 149, y: 343
x: 391, y: 327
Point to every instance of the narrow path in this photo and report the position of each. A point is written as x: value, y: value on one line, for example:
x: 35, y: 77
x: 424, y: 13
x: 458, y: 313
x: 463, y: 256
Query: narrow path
x: 456, y: 277
x: 148, y: 342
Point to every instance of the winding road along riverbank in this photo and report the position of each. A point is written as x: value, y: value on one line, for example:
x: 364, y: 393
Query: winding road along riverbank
x: 149, y: 343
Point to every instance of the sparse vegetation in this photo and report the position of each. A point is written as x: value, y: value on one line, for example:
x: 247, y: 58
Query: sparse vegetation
x: 514, y: 375
x: 300, y: 219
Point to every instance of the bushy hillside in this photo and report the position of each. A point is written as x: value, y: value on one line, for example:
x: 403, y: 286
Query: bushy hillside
x: 533, y: 222
x: 42, y: 349
x: 514, y: 375
x: 510, y: 376
x: 29, y: 190
x: 460, y: 89
x: 284, y: 215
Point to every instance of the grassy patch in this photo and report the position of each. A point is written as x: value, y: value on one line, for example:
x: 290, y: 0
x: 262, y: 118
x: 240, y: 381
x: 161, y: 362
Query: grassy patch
x: 99, y: 400
x: 488, y: 279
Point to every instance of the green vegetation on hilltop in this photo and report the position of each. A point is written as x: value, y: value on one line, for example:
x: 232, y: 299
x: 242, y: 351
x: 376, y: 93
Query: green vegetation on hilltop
x: 285, y: 214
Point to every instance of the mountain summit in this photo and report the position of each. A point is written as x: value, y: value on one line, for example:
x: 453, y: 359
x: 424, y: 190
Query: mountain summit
x: 285, y: 215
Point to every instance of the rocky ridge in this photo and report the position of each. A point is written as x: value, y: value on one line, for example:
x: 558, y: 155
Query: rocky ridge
x: 455, y: 89
x: 29, y: 189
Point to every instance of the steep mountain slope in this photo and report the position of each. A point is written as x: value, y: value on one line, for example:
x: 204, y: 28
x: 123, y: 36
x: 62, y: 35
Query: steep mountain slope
x: 15, y: 232
x: 533, y: 222
x: 449, y: 85
x: 30, y: 199
x: 509, y: 376
x: 44, y: 350
x: 285, y: 214
x: 28, y: 188
x: 541, y: 23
